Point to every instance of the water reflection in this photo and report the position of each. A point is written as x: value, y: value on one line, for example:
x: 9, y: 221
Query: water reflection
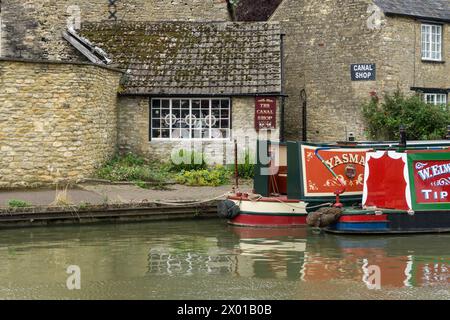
x: 212, y: 259
x: 294, y: 254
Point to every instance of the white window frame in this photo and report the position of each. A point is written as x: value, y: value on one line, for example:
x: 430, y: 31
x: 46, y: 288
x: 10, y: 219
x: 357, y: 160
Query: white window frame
x: 436, y: 98
x: 432, y: 45
x: 191, y: 128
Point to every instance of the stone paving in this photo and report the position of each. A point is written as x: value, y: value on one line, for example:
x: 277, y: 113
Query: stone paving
x: 102, y: 193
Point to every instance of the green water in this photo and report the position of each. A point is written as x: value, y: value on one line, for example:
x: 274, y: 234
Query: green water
x: 211, y: 260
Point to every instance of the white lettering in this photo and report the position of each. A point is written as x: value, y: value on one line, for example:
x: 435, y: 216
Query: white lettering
x: 426, y: 194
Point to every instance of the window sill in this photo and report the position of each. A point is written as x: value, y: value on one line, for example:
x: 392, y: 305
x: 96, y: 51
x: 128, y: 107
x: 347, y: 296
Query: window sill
x: 433, y: 61
x: 189, y: 140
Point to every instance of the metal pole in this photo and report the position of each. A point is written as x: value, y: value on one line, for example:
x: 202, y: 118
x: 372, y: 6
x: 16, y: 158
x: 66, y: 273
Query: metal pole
x: 402, y: 137
x: 236, y: 169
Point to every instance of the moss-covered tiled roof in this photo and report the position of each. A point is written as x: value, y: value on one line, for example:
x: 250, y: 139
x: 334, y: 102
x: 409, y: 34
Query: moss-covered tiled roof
x: 191, y: 57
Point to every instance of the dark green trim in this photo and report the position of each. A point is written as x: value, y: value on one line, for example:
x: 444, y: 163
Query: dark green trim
x: 294, y: 171
x: 424, y: 157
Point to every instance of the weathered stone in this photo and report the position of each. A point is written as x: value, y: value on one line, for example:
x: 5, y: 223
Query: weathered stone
x: 323, y: 38
x: 31, y: 154
x: 34, y: 27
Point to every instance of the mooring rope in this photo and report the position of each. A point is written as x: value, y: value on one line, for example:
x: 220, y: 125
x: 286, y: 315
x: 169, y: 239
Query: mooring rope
x: 177, y: 203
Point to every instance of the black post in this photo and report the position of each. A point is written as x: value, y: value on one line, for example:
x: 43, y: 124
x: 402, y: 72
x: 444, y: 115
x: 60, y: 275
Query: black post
x: 283, y: 96
x: 403, y: 141
x: 304, y: 115
x: 236, y: 170
x: 282, y: 126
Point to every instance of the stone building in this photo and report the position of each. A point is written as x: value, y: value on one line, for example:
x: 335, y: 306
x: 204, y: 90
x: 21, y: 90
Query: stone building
x: 154, y: 76
x: 32, y: 28
x: 406, y: 43
x: 80, y: 81
x: 191, y: 84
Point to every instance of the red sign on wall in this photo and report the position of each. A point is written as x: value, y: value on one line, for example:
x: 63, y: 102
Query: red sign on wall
x: 432, y: 181
x: 265, y: 113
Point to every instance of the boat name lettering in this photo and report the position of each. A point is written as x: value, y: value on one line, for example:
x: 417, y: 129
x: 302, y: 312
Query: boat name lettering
x: 434, y: 171
x: 345, y: 159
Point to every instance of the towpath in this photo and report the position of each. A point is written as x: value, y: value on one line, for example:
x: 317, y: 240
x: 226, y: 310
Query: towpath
x: 104, y: 193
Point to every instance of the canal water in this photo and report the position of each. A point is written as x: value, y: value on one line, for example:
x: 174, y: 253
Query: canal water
x: 211, y: 260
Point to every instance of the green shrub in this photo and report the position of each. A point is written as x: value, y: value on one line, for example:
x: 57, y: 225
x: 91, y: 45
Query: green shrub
x: 213, y: 177
x: 191, y: 160
x: 13, y: 203
x: 133, y: 168
x: 422, y: 121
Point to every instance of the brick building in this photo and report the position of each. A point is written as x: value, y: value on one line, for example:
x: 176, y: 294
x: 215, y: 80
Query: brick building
x: 405, y: 42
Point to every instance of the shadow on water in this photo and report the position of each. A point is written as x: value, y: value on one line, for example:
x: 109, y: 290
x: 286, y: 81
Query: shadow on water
x: 212, y: 259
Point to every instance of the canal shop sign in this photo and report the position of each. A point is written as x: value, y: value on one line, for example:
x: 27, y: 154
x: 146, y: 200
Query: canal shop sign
x: 363, y: 72
x: 432, y: 181
x: 265, y: 113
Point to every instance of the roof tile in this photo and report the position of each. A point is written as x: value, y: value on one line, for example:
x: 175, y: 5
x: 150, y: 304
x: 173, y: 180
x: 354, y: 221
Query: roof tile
x: 192, y: 57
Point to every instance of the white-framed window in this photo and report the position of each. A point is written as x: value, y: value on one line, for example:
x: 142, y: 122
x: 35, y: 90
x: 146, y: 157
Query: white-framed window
x: 435, y: 98
x: 190, y: 118
x: 432, y: 42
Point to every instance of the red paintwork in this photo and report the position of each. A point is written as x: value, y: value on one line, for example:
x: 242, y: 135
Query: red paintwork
x: 386, y: 184
x: 258, y: 233
x: 268, y: 220
x: 319, y: 181
x: 364, y: 218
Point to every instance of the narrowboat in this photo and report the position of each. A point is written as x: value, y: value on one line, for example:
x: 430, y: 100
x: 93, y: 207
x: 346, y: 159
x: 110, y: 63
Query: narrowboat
x: 293, y: 179
x: 405, y: 191
x: 290, y: 181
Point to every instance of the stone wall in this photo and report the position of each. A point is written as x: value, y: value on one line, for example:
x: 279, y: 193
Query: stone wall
x: 32, y: 28
x: 323, y: 38
x: 134, y: 132
x: 58, y: 121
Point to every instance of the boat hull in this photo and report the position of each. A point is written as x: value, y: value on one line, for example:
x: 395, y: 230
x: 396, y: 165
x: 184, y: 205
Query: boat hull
x: 270, y: 213
x: 391, y: 222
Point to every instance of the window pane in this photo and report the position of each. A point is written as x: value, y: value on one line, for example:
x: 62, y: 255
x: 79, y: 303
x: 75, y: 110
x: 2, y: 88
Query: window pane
x: 224, y: 113
x: 215, y: 104
x: 165, y: 134
x: 156, y: 113
x: 156, y: 103
x: 205, y: 104
x: 156, y: 133
x: 156, y: 123
x: 165, y: 103
x: 225, y: 104
x: 195, y: 104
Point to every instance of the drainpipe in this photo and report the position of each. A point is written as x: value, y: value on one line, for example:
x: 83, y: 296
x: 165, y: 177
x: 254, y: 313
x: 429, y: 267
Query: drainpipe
x: 304, y: 113
x: 283, y: 96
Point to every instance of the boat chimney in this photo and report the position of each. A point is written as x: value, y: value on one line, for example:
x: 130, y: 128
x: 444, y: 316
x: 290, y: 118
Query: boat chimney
x: 402, y: 137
